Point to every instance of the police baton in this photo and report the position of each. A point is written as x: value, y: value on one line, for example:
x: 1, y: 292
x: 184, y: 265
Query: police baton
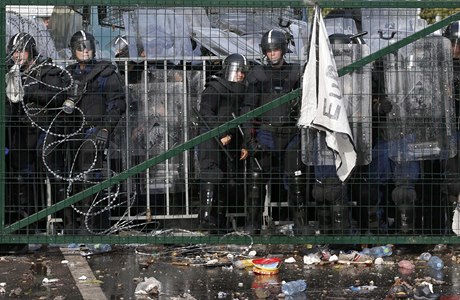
x: 215, y: 138
x: 242, y: 134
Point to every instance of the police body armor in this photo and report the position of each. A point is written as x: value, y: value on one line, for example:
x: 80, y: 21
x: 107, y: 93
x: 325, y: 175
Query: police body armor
x: 273, y: 84
x: 221, y: 101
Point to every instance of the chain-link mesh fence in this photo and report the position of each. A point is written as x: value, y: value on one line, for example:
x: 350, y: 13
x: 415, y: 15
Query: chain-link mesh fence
x: 163, y: 124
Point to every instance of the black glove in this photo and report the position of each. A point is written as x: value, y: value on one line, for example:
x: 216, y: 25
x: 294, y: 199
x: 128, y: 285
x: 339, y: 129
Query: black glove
x: 385, y: 107
x: 253, y: 146
x: 101, y: 138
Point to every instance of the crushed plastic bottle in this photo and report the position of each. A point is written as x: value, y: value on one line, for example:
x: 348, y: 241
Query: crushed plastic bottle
x: 243, y: 263
x: 425, y: 256
x: 436, y: 263
x: 378, y: 251
x: 99, y: 248
x: 293, y: 287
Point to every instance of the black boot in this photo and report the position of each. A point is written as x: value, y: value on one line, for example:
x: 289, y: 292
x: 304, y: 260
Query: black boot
x: 208, y: 195
x: 369, y: 196
x: 332, y: 214
x: 324, y: 217
x: 340, y: 219
x: 254, y: 206
x: 297, y: 208
x: 404, y: 197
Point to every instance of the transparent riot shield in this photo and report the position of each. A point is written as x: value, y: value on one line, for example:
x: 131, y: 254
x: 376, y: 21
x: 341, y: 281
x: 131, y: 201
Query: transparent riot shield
x: 357, y: 98
x: 418, y: 82
x: 160, y: 120
x: 385, y: 26
x: 160, y: 126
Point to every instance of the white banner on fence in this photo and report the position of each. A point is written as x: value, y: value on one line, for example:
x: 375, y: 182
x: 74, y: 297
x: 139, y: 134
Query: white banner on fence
x: 322, y: 101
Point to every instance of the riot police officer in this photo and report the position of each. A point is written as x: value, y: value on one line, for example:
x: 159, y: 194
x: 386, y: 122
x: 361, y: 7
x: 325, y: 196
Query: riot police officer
x: 96, y: 103
x: 35, y: 88
x: 333, y: 209
x: 272, y: 140
x: 451, y: 167
x: 218, y: 158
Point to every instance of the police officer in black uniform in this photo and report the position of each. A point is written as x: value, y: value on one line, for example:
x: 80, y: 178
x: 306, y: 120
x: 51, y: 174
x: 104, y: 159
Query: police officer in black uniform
x: 218, y: 158
x: 35, y: 88
x: 272, y: 140
x: 451, y: 166
x: 97, y: 102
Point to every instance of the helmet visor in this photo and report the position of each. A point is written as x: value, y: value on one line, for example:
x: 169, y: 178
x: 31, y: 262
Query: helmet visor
x: 235, y: 72
x: 82, y: 45
x: 119, y: 46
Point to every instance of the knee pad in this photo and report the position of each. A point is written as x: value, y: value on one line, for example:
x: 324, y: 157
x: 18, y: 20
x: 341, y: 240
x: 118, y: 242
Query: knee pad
x: 255, y: 184
x: 453, y: 188
x: 296, y: 187
x: 404, y: 195
x: 325, y: 192
x: 207, y: 192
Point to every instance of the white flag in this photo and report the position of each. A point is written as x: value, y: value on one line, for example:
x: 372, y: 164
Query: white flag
x: 323, y: 108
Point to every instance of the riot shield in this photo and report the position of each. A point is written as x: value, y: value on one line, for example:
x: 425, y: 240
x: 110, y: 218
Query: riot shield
x: 357, y: 98
x: 418, y: 82
x: 160, y: 124
x: 385, y: 26
x: 162, y: 33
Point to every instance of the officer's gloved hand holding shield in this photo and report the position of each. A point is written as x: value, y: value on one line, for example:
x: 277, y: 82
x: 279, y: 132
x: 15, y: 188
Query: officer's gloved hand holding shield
x: 100, y: 137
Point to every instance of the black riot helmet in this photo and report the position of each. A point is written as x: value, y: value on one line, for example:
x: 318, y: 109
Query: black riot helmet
x: 82, y: 40
x: 234, y: 63
x: 22, y: 42
x: 452, y: 32
x: 120, y: 46
x: 341, y: 38
x: 274, y: 39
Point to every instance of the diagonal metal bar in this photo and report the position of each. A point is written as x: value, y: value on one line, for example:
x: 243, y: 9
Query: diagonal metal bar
x: 151, y: 162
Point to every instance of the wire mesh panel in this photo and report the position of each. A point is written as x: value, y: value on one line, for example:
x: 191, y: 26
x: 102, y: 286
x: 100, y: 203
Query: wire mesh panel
x: 165, y: 124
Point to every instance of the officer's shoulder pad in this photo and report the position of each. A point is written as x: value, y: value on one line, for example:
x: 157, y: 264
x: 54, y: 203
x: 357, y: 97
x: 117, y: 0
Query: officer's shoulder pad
x: 52, y: 70
x: 108, y: 68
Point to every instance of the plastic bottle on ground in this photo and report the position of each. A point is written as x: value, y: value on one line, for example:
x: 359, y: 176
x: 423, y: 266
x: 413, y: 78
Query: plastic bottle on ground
x: 293, y: 287
x: 99, y: 248
x: 378, y: 251
x: 425, y: 256
x: 435, y: 262
x: 243, y: 263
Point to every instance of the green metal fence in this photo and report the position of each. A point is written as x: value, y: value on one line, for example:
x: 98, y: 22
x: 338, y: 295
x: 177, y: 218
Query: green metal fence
x: 152, y: 178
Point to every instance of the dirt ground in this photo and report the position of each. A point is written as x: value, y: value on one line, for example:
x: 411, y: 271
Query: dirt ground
x: 209, y: 272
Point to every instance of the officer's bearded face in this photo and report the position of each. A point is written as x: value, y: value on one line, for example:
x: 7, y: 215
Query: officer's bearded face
x: 21, y: 57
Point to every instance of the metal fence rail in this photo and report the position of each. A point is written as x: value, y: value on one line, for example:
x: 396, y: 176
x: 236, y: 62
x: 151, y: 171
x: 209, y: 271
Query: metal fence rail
x: 152, y: 179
